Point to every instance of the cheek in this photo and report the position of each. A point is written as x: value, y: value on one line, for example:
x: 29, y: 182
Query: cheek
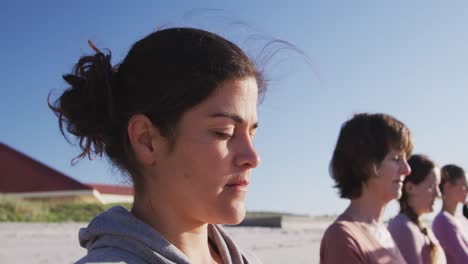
x: 206, y: 164
x: 423, y: 201
x: 205, y: 153
x: 463, y: 193
x: 388, y: 173
x: 430, y: 195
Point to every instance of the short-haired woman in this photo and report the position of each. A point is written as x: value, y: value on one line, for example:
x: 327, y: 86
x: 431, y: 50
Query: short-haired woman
x: 369, y: 165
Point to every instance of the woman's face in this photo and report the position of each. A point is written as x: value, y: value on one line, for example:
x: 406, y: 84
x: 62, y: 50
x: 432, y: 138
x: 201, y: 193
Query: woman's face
x: 459, y: 190
x: 389, y: 175
x: 206, y: 174
x: 421, y: 196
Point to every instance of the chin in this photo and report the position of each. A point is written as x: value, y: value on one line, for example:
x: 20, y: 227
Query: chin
x: 228, y: 214
x: 394, y: 193
x: 237, y: 216
x: 397, y: 195
x: 234, y: 220
x: 233, y: 214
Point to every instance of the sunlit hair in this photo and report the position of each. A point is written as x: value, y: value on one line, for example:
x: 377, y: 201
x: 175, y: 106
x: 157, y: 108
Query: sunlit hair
x: 363, y: 142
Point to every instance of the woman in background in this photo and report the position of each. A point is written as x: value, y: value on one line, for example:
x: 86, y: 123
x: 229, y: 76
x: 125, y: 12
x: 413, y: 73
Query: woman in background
x: 416, y: 242
x: 178, y: 115
x: 369, y: 165
x: 450, y: 228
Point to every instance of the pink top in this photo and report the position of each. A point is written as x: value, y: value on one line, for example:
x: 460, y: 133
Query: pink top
x: 412, y: 243
x: 349, y: 241
x: 452, y: 233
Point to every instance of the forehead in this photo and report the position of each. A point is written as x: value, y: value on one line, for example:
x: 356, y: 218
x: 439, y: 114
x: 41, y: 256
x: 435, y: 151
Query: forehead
x: 238, y: 96
x: 396, y: 151
x: 401, y: 142
x: 434, y: 176
x: 462, y: 181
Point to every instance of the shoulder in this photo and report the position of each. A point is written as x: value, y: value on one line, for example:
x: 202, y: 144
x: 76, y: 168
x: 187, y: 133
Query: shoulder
x: 342, y: 234
x: 442, y: 219
x: 444, y: 226
x: 401, y: 225
x: 109, y: 255
x: 342, y: 237
x: 399, y: 222
x: 340, y: 229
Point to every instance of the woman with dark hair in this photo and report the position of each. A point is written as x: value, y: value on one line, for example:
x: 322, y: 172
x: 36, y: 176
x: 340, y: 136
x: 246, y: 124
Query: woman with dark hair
x: 369, y: 165
x: 178, y: 115
x: 450, y: 228
x: 416, y: 242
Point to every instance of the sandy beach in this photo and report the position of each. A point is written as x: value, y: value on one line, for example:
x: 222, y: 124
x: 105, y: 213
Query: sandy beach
x: 58, y: 243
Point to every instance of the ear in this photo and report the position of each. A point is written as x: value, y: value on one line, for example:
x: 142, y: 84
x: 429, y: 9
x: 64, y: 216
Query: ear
x: 375, y: 169
x: 143, y: 137
x: 447, y: 186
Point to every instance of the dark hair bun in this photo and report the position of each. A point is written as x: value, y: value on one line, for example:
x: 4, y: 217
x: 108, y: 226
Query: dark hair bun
x: 86, y: 107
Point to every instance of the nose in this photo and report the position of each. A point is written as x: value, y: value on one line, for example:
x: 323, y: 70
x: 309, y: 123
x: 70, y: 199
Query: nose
x: 247, y: 155
x: 405, y: 168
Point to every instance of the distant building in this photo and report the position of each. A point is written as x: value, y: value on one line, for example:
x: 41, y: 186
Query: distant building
x: 23, y: 177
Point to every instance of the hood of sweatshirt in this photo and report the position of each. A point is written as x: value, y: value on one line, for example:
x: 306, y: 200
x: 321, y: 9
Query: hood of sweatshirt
x: 117, y: 233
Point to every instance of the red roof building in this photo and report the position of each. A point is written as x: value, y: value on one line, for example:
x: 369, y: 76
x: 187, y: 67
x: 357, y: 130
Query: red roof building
x: 22, y: 176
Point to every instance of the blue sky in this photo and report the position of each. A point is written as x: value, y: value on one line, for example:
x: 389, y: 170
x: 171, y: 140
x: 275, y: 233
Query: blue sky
x: 405, y: 58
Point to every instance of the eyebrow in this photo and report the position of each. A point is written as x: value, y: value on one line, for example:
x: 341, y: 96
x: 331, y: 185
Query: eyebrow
x: 236, y: 118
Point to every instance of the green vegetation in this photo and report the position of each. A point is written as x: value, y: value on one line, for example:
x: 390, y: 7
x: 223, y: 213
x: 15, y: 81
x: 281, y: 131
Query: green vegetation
x: 17, y: 210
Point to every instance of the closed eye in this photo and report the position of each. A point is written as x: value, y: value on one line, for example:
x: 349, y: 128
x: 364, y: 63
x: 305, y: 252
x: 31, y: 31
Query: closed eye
x: 399, y: 157
x: 252, y: 133
x: 253, y: 130
x: 222, y: 135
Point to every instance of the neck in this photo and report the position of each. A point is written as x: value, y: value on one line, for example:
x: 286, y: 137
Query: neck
x: 367, y: 209
x: 189, y: 236
x: 449, y: 206
x: 411, y: 212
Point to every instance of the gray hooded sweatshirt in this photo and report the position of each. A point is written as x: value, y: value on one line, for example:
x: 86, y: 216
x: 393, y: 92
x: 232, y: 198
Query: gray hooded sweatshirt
x: 116, y: 236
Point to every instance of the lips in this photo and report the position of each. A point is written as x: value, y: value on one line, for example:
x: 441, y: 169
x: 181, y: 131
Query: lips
x: 240, y: 185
